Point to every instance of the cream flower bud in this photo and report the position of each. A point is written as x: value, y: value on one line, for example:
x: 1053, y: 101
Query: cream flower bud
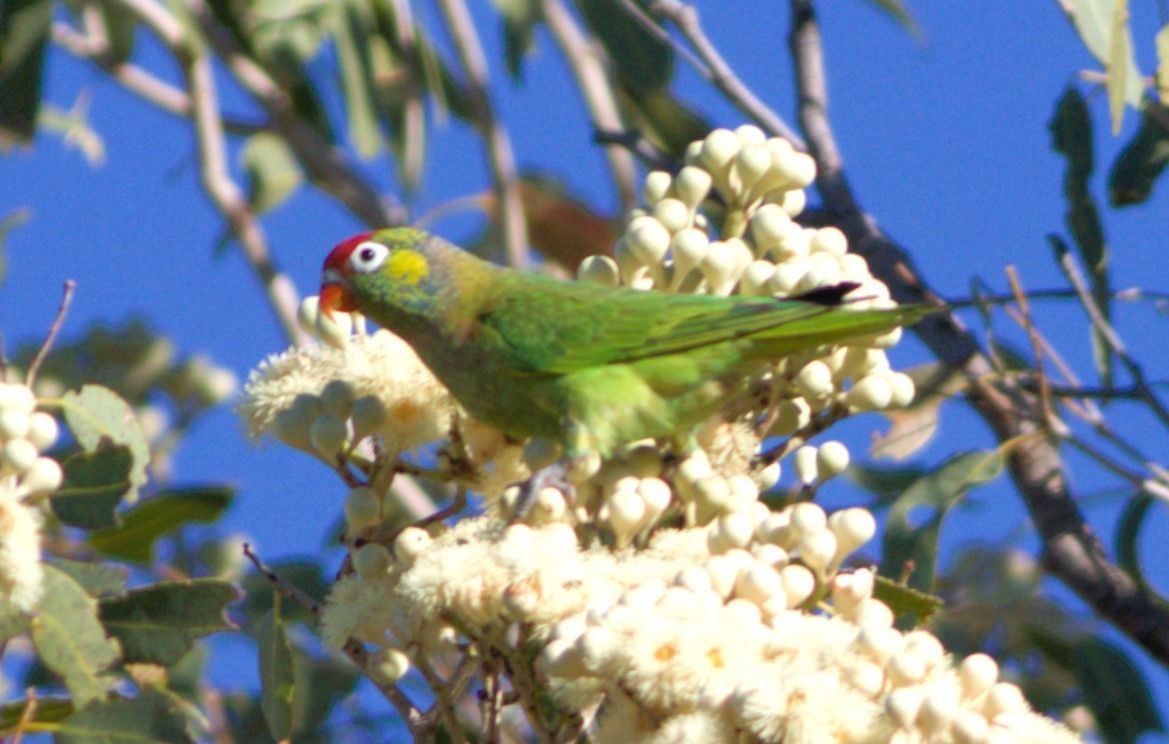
x: 337, y: 397
x: 692, y: 185
x: 749, y: 134
x: 903, y: 706
x: 17, y: 455
x: 689, y: 248
x: 815, y: 379
x: 548, y: 506
x: 14, y: 423
x: 969, y: 727
x: 748, y: 612
x: 363, y: 508
x: 976, y: 674
x: 766, y: 478
x: 718, y: 266
x: 829, y: 240
x: 926, y: 645
x: 713, y: 492
x: 902, y: 389
x: 752, y: 162
x: 756, y: 280
x: 790, y: 417
x: 648, y: 240
x: 808, y: 518
x: 599, y: 270
x: 657, y: 185
x: 14, y: 396
x: 873, y: 613
x: 626, y: 514
x: 758, y: 584
x: 718, y: 150
x: 43, y: 476
x: 695, y: 579
x: 880, y: 643
x: 853, y: 528
x: 794, y: 202
x: 937, y: 710
x: 729, y: 532
x: 335, y: 330
x: 831, y: 459
x: 562, y: 658
x: 368, y: 416
x: 692, y: 153
x: 412, y: 542
x: 387, y: 666
x: 644, y: 596
x: 770, y: 554
x: 817, y: 549
x: 866, y: 677
x: 1003, y: 697
x: 806, y: 464
x: 776, y: 529
x: 672, y: 214
x: 307, y: 312
x: 328, y: 433
x: 854, y: 267
x: 770, y: 225
x: 798, y: 584
x: 630, y: 265
x: 906, y: 668
x: 291, y: 427
x: 787, y: 276
x: 372, y: 560
x: 869, y: 393
x: 723, y: 574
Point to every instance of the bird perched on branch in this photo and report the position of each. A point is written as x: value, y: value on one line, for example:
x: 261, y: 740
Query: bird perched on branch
x: 588, y: 366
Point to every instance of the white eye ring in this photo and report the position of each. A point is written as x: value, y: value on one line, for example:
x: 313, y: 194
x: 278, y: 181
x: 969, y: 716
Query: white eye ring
x: 368, y: 257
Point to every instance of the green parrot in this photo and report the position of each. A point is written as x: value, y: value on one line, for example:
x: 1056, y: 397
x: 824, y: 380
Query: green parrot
x: 587, y: 366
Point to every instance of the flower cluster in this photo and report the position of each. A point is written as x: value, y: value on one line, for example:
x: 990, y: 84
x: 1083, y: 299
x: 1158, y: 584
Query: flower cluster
x: 24, y: 476
x: 660, y: 594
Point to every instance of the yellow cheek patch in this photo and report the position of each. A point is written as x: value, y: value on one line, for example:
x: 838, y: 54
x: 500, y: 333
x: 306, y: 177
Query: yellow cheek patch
x: 407, y: 266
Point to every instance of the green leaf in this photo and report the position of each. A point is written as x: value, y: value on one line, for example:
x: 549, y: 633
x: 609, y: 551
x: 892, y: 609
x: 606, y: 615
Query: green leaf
x: 95, y: 483
x: 305, y: 574
x: 159, y: 624
x: 95, y: 578
x: 13, y: 622
x: 1142, y: 161
x: 351, y: 25
x: 915, y: 520
x: 902, y: 600
x: 1115, y: 691
x: 276, y: 673
x: 642, y: 61
x: 143, y: 525
x: 896, y: 10
x: 273, y: 171
x: 519, y: 22
x: 24, y: 35
x: 121, y: 26
x: 914, y: 425
x: 48, y: 710
x: 1093, y: 20
x: 1119, y: 55
x: 95, y: 412
x: 320, y: 685
x: 152, y: 717
x: 1128, y: 531
x: 887, y: 483
x: 1071, y: 136
x: 665, y: 121
x: 69, y: 638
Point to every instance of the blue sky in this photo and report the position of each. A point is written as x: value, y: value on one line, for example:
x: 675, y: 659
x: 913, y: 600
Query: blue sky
x: 945, y: 142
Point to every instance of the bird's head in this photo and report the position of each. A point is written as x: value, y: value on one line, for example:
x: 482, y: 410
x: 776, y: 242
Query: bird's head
x: 371, y: 263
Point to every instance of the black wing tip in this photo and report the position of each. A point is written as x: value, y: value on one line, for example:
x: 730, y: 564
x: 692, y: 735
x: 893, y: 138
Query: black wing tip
x: 827, y: 296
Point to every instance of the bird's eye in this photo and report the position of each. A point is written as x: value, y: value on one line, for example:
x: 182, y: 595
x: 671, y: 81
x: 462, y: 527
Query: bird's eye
x: 368, y: 257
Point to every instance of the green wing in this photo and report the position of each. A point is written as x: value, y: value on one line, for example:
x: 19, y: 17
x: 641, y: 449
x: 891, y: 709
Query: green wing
x: 553, y: 327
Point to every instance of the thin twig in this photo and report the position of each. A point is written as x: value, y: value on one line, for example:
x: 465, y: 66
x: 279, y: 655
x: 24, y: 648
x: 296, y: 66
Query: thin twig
x: 443, y: 706
x: 585, y: 60
x: 58, y: 322
x: 637, y: 144
x: 465, y: 38
x: 1036, y: 348
x: 293, y: 592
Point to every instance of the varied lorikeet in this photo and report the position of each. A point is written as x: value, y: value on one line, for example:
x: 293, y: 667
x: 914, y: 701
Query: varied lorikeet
x: 585, y: 365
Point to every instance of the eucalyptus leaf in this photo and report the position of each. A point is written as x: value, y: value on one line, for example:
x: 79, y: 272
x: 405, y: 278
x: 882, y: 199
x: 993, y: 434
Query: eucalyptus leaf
x: 165, y: 512
x: 1142, y: 161
x: 69, y: 638
x: 1115, y: 691
x: 642, y: 61
x: 276, y: 674
x: 274, y: 173
x: 1093, y: 21
x: 24, y: 36
x: 47, y: 710
x: 94, y: 484
x: 158, y: 624
x: 95, y: 578
x: 153, y: 717
x: 96, y: 412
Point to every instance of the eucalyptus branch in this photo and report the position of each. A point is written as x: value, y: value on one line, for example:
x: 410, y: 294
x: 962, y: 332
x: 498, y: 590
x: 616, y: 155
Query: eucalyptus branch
x: 1071, y: 550
x: 30, y: 376
x: 584, y: 58
x: 461, y: 28
x: 636, y: 143
x: 414, y: 117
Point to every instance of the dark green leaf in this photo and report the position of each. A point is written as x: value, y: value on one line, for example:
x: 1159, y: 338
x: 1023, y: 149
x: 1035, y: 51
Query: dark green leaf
x: 1142, y: 161
x: 886, y: 483
x: 121, y: 25
x: 48, y: 710
x: 13, y: 219
x: 1071, y: 136
x: 519, y: 21
x: 902, y: 599
x: 1115, y: 691
x: 143, y: 525
x: 665, y: 121
x: 276, y: 673
x: 642, y: 61
x: 351, y: 26
x: 320, y: 685
x: 96, y: 412
x: 1128, y: 532
x: 896, y: 10
x: 152, y: 717
x: 911, y: 533
x: 273, y: 171
x: 24, y: 35
x: 158, y: 624
x: 185, y: 676
x: 95, y: 483
x: 69, y: 638
x: 95, y: 578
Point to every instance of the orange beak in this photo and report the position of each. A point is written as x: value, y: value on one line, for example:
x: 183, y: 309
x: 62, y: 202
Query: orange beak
x: 334, y: 297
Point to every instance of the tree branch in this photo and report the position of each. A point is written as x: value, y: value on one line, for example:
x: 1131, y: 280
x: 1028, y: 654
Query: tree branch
x: 1072, y: 552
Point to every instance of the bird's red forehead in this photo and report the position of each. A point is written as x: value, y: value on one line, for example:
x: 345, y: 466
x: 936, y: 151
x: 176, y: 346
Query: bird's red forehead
x: 340, y: 253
